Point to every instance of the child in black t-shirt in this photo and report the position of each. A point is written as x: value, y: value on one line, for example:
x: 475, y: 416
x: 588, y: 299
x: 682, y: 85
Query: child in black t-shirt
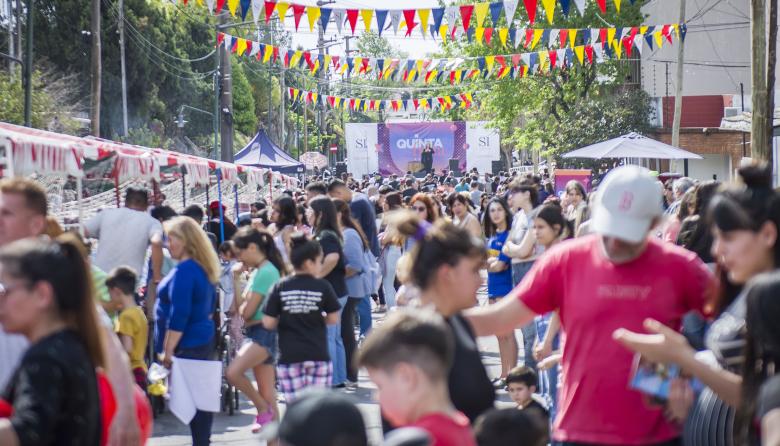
x: 295, y: 307
x: 521, y: 384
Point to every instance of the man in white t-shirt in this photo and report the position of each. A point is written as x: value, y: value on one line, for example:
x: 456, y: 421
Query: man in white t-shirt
x: 124, y: 235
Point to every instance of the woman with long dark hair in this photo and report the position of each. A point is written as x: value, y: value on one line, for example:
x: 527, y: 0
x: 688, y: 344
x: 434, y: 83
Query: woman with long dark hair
x: 445, y: 266
x: 356, y: 247
x: 257, y: 250
x: 391, y: 250
x: 424, y: 206
x: 461, y: 209
x: 496, y: 224
x: 745, y: 222
x: 324, y: 219
x: 284, y: 216
x: 46, y: 296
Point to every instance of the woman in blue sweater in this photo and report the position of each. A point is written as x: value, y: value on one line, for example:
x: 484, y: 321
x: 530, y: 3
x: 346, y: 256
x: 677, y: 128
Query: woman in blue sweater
x: 185, y: 304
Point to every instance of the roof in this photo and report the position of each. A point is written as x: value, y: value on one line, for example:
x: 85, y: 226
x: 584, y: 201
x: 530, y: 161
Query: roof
x: 262, y: 152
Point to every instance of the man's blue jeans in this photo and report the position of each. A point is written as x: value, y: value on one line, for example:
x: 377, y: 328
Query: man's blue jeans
x: 336, y: 349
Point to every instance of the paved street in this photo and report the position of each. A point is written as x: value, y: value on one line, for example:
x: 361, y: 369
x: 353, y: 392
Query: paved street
x: 235, y: 430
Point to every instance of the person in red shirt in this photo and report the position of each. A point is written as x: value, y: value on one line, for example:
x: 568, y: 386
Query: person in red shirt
x: 617, y: 277
x: 408, y: 358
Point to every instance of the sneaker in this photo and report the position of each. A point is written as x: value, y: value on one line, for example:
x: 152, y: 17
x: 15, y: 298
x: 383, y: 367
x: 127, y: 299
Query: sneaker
x: 379, y: 309
x: 499, y: 384
x: 351, y: 385
x: 339, y: 386
x: 262, y: 419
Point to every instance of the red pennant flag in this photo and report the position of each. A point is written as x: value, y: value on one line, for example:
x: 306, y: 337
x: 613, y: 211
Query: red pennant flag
x: 308, y: 97
x: 287, y: 60
x: 416, y: 103
x: 529, y: 35
x: 515, y: 60
x: 488, y: 35
x: 352, y: 16
x: 666, y: 31
x: 290, y: 90
x: 603, y: 35
x: 501, y: 60
x: 563, y: 34
x: 465, y: 15
x: 234, y: 50
x: 364, y: 66
x: 602, y: 6
x: 269, y: 9
x: 335, y: 61
x: 441, y: 101
x: 452, y: 78
x: 248, y: 47
x: 428, y: 76
x: 530, y: 9
x: 220, y: 38
x: 331, y: 101
x: 307, y: 58
x: 589, y: 53
x: 409, y: 18
x: 276, y: 53
x: 220, y: 5
x: 352, y: 103
x: 553, y: 55
x: 297, y: 13
x: 634, y: 31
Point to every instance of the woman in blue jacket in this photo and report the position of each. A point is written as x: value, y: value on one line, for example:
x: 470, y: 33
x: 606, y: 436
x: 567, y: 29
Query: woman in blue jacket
x: 185, y: 304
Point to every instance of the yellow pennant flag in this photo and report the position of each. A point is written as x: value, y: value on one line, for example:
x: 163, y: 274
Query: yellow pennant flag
x: 503, y: 33
x: 448, y: 100
x: 387, y: 73
x: 478, y: 33
x: 579, y: 51
x: 269, y: 51
x: 357, y: 104
x: 367, y: 15
x: 232, y: 6
x: 241, y: 46
x: 468, y: 95
x: 343, y: 68
x: 313, y: 12
x: 337, y: 102
x: 537, y: 35
x: 643, y: 29
x: 411, y: 75
x: 458, y: 75
x: 610, y: 35
x: 542, y: 60
x: 572, y: 36
x: 443, y: 31
x: 617, y: 5
x: 424, y: 14
x: 618, y: 44
x: 281, y: 9
x: 365, y: 105
x: 314, y: 97
x: 489, y: 60
x: 327, y: 60
x: 480, y: 11
x: 358, y: 63
x: 549, y: 9
x: 503, y: 72
x: 199, y: 2
x: 296, y: 58
x: 424, y: 103
x: 315, y: 67
x: 659, y: 40
x: 676, y: 28
x: 419, y: 65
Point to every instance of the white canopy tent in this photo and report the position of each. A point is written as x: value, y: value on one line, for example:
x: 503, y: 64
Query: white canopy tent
x: 632, y: 145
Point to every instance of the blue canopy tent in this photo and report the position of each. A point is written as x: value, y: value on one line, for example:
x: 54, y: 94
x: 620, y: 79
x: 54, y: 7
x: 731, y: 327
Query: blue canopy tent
x: 261, y: 152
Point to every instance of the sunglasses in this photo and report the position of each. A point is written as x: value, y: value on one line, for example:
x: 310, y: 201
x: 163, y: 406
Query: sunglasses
x: 419, y: 208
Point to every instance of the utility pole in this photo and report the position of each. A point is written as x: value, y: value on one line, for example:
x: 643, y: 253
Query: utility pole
x: 11, y: 45
x: 679, y: 82
x: 28, y: 72
x: 320, y: 75
x: 770, y: 83
x: 96, y: 68
x: 122, y: 64
x: 226, y: 100
x: 759, y: 143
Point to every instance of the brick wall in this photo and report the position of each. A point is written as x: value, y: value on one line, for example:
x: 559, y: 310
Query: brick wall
x: 711, y: 141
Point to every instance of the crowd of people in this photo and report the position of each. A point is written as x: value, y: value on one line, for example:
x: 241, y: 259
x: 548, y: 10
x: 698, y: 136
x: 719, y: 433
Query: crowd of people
x: 631, y: 313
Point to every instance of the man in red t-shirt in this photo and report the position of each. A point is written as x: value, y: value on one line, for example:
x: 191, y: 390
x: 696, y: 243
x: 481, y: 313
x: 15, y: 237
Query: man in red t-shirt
x: 617, y: 277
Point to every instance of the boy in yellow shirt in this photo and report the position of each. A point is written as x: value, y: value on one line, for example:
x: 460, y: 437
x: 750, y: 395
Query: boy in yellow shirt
x: 132, y: 326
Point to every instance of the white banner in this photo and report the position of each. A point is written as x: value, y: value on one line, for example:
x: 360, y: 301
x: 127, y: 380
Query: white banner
x: 484, y: 146
x: 361, y: 149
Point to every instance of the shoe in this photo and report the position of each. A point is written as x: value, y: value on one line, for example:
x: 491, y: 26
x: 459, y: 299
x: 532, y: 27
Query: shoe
x: 499, y: 383
x: 351, y: 385
x: 339, y: 386
x: 262, y: 419
x: 379, y: 309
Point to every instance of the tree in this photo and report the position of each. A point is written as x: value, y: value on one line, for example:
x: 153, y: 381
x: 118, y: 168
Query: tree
x: 244, y: 118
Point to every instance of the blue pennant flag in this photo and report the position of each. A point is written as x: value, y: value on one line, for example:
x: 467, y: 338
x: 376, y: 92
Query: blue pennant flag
x: 380, y: 64
x: 438, y: 76
x: 481, y: 63
x: 570, y: 56
x: 350, y: 63
x: 410, y: 64
x: 649, y: 40
x: 495, y: 12
x: 438, y: 15
x: 683, y: 30
x: 245, y: 6
x: 545, y: 37
x: 618, y: 33
x: 470, y: 34
x: 584, y: 36
x: 325, y: 18
x: 381, y: 16
x: 533, y: 60
x: 565, y: 6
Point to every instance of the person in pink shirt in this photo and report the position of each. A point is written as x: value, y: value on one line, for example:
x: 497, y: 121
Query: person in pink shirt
x: 614, y: 278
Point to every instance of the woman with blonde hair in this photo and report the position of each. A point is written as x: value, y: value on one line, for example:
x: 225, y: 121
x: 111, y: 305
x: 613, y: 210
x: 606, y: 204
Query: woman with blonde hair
x: 186, y: 301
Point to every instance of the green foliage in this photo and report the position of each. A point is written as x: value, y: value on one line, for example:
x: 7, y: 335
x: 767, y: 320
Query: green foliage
x: 244, y: 118
x: 47, y: 111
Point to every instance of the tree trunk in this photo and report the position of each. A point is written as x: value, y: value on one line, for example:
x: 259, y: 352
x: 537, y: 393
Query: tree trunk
x: 770, y: 78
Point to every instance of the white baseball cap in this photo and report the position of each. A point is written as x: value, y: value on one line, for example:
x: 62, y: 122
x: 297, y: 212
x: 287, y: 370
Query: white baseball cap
x: 628, y: 200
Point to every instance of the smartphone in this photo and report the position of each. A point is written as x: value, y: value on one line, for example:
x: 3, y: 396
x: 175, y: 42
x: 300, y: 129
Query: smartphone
x: 653, y: 379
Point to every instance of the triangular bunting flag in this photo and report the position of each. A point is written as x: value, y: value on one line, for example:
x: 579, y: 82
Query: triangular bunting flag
x: 325, y: 18
x: 257, y: 6
x: 313, y: 13
x: 232, y: 6
x: 580, y: 4
x: 297, y: 13
x: 602, y: 6
x: 510, y: 6
x: 617, y: 5
x: 481, y: 10
x: 367, y: 15
x: 338, y: 18
x: 563, y: 34
x: 409, y: 19
x: 352, y: 16
x: 438, y: 16
x: 537, y: 35
x: 423, y: 14
x: 495, y: 13
x: 530, y: 9
x: 502, y: 35
x: 281, y: 11
x: 465, y: 15
x: 381, y: 17
x: 479, y: 33
x: 549, y: 9
x: 395, y: 19
x: 580, y: 52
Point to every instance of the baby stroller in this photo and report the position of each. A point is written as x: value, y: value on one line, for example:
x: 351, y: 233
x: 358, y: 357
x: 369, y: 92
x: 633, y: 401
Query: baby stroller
x: 226, y: 349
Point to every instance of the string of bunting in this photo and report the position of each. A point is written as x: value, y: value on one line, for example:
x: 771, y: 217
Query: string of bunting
x: 427, y: 20
x: 596, y: 44
x: 461, y: 100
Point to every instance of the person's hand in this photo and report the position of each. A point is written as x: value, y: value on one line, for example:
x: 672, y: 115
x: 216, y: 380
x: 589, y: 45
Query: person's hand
x: 662, y: 345
x: 124, y: 430
x: 549, y: 362
x: 542, y: 351
x: 680, y: 400
x: 238, y: 269
x: 166, y: 359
